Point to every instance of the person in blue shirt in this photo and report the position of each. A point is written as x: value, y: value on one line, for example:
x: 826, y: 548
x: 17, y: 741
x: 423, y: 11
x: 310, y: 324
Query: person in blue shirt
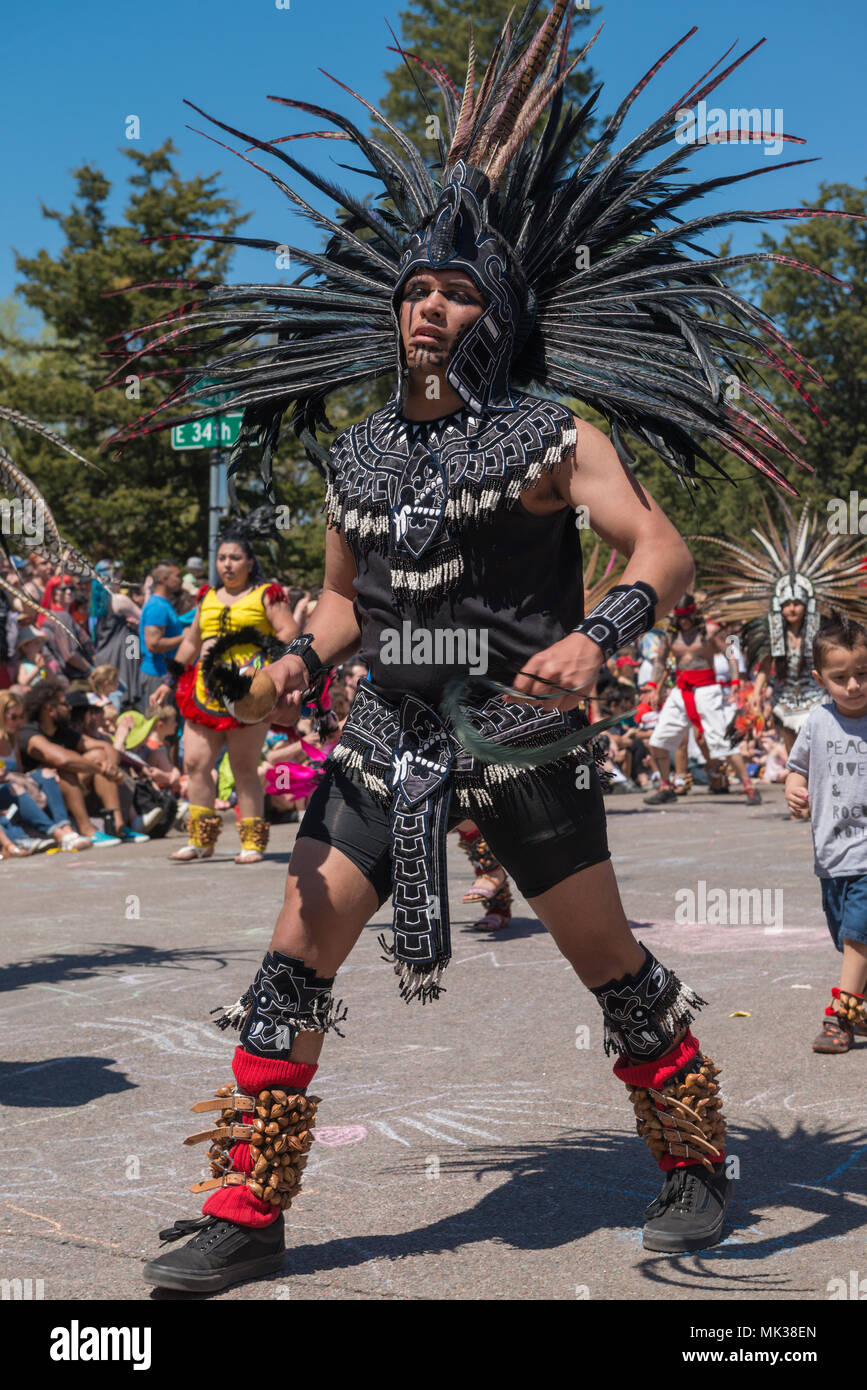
x: 160, y: 628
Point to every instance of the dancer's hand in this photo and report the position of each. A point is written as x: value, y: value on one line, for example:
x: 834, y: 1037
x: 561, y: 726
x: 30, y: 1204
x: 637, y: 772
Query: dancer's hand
x: 290, y: 679
x: 574, y: 662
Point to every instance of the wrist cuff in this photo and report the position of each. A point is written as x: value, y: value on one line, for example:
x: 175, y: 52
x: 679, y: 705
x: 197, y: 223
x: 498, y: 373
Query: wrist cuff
x: 303, y: 646
x: 623, y: 615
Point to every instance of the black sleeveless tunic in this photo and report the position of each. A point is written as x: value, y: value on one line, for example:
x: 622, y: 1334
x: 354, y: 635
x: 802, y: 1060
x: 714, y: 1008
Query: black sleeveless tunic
x: 521, y: 591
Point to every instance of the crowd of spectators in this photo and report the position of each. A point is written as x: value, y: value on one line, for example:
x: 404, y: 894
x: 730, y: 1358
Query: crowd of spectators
x: 88, y: 757
x: 625, y: 687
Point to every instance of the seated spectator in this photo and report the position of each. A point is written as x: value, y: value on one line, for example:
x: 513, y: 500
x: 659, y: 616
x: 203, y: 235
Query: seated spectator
x: 85, y: 766
x: 34, y: 664
x: 352, y: 673
x: 148, y: 737
x: 292, y: 770
x: 626, y: 667
x: 105, y: 685
x: 40, y: 810
x: 776, y: 755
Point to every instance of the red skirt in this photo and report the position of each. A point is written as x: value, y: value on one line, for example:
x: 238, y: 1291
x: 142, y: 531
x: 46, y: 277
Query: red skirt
x: 190, y: 708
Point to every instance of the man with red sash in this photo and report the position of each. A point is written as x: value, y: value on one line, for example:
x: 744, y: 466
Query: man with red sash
x: 698, y: 700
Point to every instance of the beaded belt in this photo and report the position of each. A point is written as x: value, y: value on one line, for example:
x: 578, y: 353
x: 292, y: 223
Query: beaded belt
x: 410, y: 759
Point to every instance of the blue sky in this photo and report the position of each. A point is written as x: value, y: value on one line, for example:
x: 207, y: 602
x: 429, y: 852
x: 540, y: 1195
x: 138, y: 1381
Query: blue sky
x: 73, y: 73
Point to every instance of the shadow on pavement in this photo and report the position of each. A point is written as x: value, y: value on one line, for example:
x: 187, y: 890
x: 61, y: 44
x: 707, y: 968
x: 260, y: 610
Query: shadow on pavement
x: 59, y: 1081
x: 111, y: 956
x: 518, y: 928
x: 560, y: 1192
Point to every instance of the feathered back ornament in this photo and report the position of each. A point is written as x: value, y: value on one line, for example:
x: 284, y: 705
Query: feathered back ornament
x: 799, y: 559
x: 606, y: 296
x: 15, y: 485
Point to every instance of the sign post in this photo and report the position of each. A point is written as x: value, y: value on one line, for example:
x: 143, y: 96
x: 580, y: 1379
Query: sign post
x: 217, y: 433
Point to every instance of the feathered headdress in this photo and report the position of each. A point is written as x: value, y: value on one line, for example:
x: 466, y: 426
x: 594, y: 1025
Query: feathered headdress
x: 798, y: 560
x: 597, y: 289
x: 15, y: 485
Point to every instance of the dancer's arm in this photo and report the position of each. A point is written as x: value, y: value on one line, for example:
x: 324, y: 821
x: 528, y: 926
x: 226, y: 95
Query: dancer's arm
x: 191, y: 643
x: 624, y: 515
x: 332, y: 625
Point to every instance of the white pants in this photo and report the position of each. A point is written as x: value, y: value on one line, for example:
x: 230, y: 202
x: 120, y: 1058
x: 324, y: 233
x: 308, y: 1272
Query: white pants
x: 713, y: 712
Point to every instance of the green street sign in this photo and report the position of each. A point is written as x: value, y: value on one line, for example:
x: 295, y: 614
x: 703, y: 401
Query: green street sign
x: 214, y: 433
x: 216, y: 399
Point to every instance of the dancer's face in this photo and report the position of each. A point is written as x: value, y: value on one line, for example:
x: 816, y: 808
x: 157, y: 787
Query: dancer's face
x: 437, y: 309
x: 793, y: 611
x: 233, y: 565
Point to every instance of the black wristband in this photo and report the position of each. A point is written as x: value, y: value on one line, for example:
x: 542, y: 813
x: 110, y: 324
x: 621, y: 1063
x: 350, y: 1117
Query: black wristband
x: 624, y: 614
x: 303, y: 646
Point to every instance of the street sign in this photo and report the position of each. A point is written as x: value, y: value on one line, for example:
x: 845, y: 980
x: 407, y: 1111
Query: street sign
x: 214, y: 433
x: 218, y: 398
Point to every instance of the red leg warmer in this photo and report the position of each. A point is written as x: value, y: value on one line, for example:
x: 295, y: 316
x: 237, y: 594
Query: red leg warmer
x: 654, y: 1075
x: 254, y: 1074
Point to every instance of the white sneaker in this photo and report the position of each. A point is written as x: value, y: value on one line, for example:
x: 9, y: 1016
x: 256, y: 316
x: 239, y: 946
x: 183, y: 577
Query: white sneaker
x: 150, y: 818
x: 72, y: 842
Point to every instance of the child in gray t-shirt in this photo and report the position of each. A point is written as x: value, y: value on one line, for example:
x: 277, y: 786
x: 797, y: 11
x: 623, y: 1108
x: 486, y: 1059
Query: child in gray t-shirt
x: 827, y: 781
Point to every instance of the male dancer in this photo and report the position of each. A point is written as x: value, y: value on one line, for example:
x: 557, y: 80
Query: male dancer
x: 697, y: 699
x: 454, y: 507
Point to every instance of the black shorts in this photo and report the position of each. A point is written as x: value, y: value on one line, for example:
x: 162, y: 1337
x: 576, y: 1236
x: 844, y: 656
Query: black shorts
x: 540, y: 833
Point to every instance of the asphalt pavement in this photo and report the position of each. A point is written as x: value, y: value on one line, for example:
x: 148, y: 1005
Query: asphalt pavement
x: 476, y: 1148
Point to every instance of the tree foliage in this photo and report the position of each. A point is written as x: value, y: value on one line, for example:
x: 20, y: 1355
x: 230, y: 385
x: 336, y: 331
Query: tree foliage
x: 827, y: 324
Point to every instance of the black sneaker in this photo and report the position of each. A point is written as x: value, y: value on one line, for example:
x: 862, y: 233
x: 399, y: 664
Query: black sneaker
x: 689, y: 1212
x: 664, y: 794
x: 220, y: 1253
x: 753, y: 795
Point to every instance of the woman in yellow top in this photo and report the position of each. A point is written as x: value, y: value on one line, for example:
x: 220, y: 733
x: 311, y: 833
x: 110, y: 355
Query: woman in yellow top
x: 242, y: 600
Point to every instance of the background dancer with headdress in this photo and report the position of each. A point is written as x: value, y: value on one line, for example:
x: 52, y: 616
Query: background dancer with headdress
x: 697, y: 699
x: 779, y: 591
x: 453, y: 507
x: 243, y: 610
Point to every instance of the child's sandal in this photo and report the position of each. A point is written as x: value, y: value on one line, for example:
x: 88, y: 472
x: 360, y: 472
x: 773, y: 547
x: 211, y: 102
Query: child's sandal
x: 836, y: 1036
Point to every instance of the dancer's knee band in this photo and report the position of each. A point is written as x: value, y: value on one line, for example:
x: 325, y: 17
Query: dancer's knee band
x: 286, y: 998
x: 644, y: 1013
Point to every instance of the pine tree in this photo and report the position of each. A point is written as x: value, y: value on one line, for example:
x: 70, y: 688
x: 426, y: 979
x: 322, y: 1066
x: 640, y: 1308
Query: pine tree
x: 153, y: 498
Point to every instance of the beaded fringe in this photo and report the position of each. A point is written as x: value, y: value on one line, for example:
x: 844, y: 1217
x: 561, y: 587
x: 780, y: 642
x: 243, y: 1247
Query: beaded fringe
x: 471, y: 790
x: 321, y: 1017
x: 415, y: 982
x: 427, y: 580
